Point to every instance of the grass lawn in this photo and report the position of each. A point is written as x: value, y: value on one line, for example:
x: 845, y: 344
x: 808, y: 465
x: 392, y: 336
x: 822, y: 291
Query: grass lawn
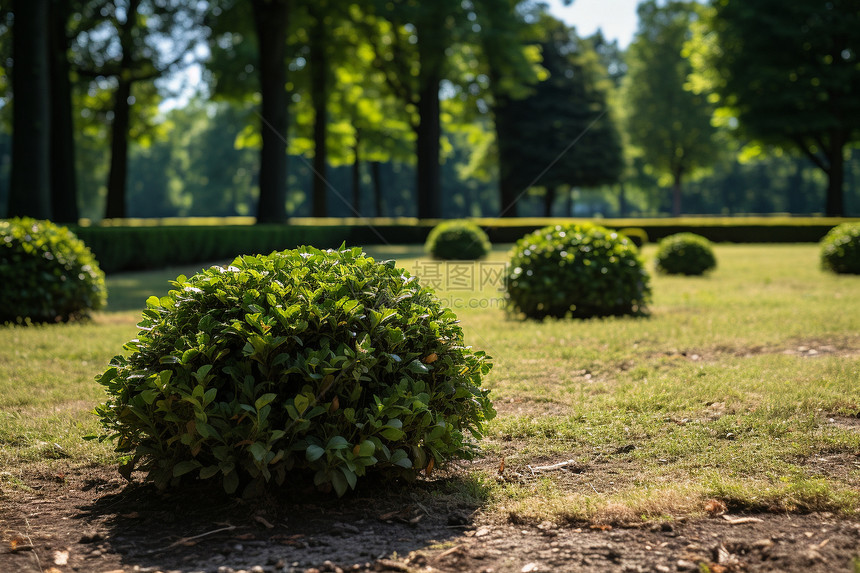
x: 742, y: 387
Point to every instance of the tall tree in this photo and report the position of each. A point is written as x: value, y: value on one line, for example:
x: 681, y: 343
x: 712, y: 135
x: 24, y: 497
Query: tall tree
x: 510, y: 42
x: 132, y: 42
x: 30, y: 186
x: 412, y: 52
x: 668, y: 124
x: 350, y: 114
x: 562, y: 133
x: 64, y: 189
x: 271, y: 19
x: 790, y: 74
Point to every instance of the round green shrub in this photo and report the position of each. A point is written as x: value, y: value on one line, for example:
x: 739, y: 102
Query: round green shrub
x: 635, y: 234
x: 457, y: 240
x: 685, y: 254
x: 300, y: 361
x: 48, y: 274
x: 840, y: 249
x: 578, y: 270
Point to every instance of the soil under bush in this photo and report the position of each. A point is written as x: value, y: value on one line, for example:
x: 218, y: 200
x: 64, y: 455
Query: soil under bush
x: 90, y: 520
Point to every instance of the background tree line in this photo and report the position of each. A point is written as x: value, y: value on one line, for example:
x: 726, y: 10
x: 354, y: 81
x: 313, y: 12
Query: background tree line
x: 445, y: 109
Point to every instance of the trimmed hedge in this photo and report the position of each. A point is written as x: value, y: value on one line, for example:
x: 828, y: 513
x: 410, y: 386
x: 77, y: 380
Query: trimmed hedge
x: 840, y: 249
x: 579, y: 270
x: 144, y: 244
x: 717, y: 230
x: 47, y: 274
x: 301, y: 361
x: 685, y: 254
x: 120, y: 248
x: 457, y: 240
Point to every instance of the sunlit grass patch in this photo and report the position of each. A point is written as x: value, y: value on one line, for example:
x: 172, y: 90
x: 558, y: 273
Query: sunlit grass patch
x: 742, y: 386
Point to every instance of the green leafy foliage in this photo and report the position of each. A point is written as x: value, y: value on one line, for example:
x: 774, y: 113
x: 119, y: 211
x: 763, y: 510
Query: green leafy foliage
x: 302, y: 360
x: 47, y: 273
x: 685, y: 254
x: 840, y: 249
x: 578, y: 270
x: 458, y: 240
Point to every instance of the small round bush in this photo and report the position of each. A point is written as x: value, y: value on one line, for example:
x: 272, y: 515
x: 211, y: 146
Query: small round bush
x: 685, y: 254
x: 304, y: 360
x: 457, y: 240
x: 48, y: 274
x: 840, y: 249
x: 635, y: 234
x: 578, y: 270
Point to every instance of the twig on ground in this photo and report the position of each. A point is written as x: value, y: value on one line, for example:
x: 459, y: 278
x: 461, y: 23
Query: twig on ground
x: 30, y: 541
x: 558, y: 466
x: 185, y: 540
x: 741, y: 520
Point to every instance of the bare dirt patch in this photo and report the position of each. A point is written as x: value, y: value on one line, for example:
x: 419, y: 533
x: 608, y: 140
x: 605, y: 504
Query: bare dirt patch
x: 848, y: 347
x: 88, y: 520
x: 524, y: 406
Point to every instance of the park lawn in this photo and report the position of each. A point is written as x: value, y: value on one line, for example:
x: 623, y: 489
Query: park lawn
x: 741, y: 386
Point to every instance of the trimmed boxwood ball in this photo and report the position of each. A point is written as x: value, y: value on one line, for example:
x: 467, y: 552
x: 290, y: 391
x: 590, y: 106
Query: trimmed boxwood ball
x: 840, y: 249
x: 304, y: 360
x: 579, y: 270
x: 457, y: 240
x: 48, y: 274
x: 685, y: 254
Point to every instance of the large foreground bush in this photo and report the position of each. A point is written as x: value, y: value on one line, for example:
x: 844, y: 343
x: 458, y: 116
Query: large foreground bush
x: 457, y: 240
x: 324, y: 361
x: 579, y: 270
x: 47, y: 273
x: 840, y: 249
x: 685, y: 254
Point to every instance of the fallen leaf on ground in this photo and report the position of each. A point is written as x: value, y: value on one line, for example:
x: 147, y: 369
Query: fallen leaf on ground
x: 715, y: 507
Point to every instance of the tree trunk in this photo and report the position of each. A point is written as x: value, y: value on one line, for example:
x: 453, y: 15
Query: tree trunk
x: 622, y: 199
x: 548, y: 201
x: 835, y: 206
x: 508, y: 190
x: 318, y: 66
x: 116, y: 203
x: 428, y: 173
x: 356, y: 176
x: 116, y: 200
x: 676, y: 192
x: 376, y: 175
x: 270, y: 23
x: 64, y: 187
x: 429, y: 130
x: 30, y: 180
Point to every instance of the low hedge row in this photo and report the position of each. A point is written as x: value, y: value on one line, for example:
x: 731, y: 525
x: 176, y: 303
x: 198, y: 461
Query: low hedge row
x: 121, y: 247
x: 717, y: 230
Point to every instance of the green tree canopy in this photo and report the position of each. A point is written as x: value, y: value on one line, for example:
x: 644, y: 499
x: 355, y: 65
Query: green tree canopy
x: 789, y: 72
x: 562, y: 133
x: 669, y: 125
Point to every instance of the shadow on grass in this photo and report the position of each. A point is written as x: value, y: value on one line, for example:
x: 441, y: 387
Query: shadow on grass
x: 295, y: 527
